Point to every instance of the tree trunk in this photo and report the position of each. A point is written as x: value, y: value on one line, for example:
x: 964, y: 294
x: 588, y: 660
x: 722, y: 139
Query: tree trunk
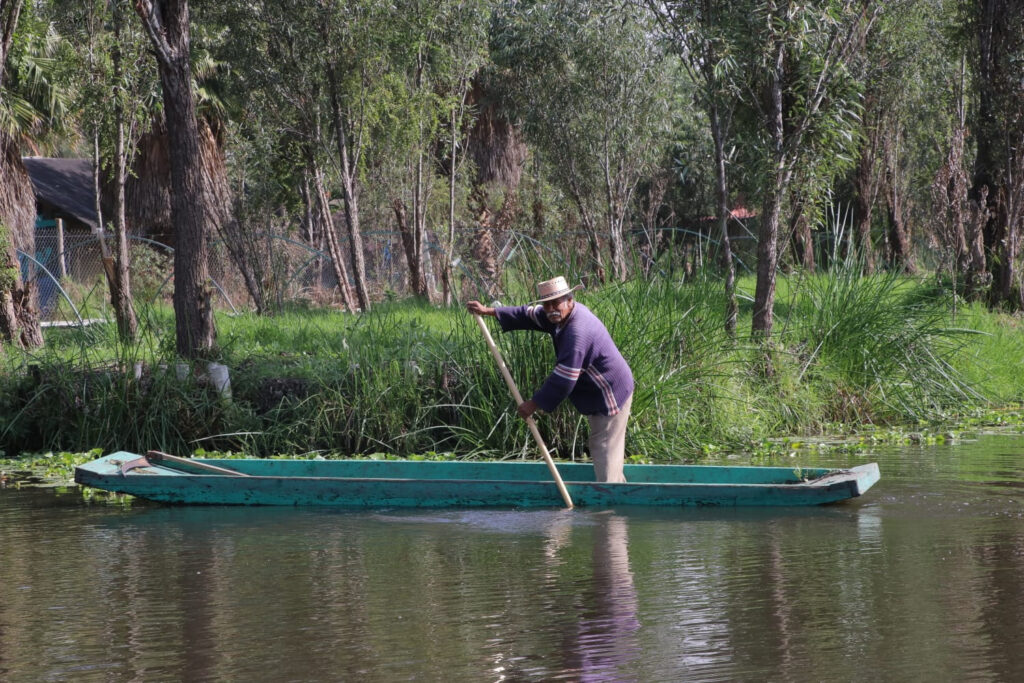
x: 590, y: 228
x: 949, y: 193
x: 1012, y: 207
x: 120, y: 283
x: 768, y: 236
x: 322, y: 213
x: 976, y: 278
x: 899, y: 240
x: 349, y: 162
x: 767, y: 259
x: 484, y: 251
x: 722, y: 201
x: 801, y: 240
x: 449, y: 248
x: 655, y: 200
x: 167, y: 22
x: 417, y: 280
x: 865, y: 184
x: 19, y: 321
x: 615, y: 200
x: 902, y: 255
x: 420, y: 284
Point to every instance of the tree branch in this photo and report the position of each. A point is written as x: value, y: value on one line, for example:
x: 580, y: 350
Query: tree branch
x: 153, y: 22
x: 9, y: 12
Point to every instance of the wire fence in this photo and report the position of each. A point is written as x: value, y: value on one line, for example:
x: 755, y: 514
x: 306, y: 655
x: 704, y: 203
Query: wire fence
x: 71, y: 288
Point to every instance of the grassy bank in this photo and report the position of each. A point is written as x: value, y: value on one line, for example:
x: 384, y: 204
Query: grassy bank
x: 412, y: 379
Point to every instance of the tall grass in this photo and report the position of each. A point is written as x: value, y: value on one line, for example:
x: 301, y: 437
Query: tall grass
x: 407, y: 378
x: 885, y: 350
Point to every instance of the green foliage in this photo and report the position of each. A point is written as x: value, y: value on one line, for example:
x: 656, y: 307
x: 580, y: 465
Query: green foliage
x: 407, y: 378
x: 592, y: 88
x: 605, y: 112
x: 34, y: 108
x: 876, y: 334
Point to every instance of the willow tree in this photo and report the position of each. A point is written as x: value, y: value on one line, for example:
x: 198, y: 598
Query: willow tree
x: 352, y: 61
x: 699, y: 31
x: 282, y: 156
x: 805, y: 95
x: 459, y: 64
x: 591, y: 86
x: 115, y: 84
x: 998, y: 58
x: 167, y: 23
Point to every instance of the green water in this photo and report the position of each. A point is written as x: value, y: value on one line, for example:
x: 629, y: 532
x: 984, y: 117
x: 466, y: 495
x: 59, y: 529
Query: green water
x: 921, y: 579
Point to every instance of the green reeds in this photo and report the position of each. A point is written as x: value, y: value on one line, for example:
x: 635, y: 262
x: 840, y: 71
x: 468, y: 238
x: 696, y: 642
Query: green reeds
x: 409, y: 379
x: 879, y: 346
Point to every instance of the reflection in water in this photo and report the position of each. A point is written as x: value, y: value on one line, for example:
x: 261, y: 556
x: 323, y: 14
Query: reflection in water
x: 921, y: 580
x: 603, y: 644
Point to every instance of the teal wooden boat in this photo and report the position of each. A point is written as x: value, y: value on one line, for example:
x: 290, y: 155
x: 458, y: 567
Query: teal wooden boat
x: 407, y: 483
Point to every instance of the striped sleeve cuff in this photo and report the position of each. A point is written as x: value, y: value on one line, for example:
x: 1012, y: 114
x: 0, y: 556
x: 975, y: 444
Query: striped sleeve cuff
x: 567, y: 373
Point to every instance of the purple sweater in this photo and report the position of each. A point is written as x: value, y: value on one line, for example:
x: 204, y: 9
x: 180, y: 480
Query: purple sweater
x: 589, y: 368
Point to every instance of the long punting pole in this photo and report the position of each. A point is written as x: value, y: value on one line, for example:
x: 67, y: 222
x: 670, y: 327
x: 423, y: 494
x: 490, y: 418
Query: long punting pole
x: 529, y: 421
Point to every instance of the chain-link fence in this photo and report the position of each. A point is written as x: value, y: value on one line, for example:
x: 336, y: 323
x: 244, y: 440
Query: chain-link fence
x: 71, y: 287
x: 70, y: 282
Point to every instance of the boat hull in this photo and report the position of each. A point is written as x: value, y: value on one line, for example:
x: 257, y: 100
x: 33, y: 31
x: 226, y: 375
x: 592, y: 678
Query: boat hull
x: 401, y: 483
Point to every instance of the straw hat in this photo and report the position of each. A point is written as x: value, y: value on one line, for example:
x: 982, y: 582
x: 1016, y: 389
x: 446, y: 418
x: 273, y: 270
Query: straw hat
x: 553, y: 289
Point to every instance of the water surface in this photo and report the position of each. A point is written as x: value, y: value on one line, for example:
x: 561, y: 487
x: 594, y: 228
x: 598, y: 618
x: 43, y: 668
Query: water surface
x: 921, y: 579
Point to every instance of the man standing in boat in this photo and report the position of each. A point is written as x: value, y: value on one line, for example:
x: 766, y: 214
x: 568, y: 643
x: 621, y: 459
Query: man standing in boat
x: 589, y: 369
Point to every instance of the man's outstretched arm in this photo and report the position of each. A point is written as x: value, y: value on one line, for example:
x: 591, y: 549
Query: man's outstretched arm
x: 477, y: 308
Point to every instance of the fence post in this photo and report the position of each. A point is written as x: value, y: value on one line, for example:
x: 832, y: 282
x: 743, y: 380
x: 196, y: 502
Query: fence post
x: 62, y: 266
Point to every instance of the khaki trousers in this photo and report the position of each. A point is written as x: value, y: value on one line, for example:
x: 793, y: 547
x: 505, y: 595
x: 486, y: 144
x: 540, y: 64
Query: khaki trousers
x: 607, y: 444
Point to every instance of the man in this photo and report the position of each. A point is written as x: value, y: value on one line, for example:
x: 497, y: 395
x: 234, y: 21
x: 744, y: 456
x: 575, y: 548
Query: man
x: 589, y: 369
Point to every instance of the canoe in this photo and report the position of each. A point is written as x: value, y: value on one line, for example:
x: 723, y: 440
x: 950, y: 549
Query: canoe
x: 408, y: 483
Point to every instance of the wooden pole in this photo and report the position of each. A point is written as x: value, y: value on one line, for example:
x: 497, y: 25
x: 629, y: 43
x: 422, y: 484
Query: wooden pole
x: 62, y: 266
x: 529, y: 421
x: 161, y: 457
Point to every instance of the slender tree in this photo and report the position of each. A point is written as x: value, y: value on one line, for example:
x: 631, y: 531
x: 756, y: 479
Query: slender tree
x: 114, y: 85
x: 591, y: 85
x: 422, y: 23
x: 699, y: 33
x: 803, y: 95
x: 348, y: 65
x: 460, y: 60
